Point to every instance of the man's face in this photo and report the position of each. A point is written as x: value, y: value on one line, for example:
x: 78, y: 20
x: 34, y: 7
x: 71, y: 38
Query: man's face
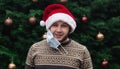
x: 60, y: 30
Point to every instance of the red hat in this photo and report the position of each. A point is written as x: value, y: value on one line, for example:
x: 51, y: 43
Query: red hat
x: 56, y: 12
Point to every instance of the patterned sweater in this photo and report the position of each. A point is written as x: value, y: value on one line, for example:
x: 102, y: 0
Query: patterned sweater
x: 42, y: 56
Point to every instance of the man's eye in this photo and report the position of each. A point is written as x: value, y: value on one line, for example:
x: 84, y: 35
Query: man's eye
x: 54, y: 25
x: 64, y: 25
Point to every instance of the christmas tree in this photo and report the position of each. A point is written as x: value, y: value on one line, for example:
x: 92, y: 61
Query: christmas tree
x: 98, y: 28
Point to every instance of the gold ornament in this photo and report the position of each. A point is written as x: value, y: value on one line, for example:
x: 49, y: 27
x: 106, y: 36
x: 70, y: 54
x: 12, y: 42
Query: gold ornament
x: 8, y: 21
x: 32, y: 20
x: 11, y: 66
x: 44, y: 36
x: 63, y: 1
x: 34, y: 0
x: 100, y: 36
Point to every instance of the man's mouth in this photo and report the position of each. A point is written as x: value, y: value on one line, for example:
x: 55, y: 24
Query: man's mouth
x: 58, y: 35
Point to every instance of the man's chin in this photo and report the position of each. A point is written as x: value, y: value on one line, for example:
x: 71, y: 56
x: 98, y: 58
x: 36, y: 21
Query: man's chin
x: 61, y: 40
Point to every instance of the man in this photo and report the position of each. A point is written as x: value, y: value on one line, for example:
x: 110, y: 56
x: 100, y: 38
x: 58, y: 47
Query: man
x: 57, y: 51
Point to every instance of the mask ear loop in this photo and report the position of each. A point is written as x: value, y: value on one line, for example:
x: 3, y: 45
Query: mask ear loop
x: 59, y: 51
x: 63, y: 50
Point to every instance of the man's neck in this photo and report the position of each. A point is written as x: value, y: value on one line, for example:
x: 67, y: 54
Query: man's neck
x: 65, y: 41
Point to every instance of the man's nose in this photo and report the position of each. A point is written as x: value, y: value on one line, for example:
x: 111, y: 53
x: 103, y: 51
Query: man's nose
x: 58, y: 28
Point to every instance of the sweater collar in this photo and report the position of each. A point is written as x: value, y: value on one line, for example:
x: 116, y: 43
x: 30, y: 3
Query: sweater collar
x: 67, y: 41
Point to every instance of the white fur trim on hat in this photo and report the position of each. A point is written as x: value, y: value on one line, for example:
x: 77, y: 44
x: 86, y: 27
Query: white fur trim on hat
x: 63, y: 17
x: 42, y: 23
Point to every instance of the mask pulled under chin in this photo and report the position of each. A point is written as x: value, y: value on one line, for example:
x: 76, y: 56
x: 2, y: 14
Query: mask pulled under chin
x: 53, y: 42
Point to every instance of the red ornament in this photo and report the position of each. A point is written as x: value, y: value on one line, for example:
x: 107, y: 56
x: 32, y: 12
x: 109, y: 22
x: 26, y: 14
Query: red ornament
x: 104, y: 63
x: 8, y: 21
x: 84, y: 19
x: 32, y: 20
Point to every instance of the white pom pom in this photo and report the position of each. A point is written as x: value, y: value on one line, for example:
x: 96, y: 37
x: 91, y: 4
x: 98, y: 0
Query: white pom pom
x: 42, y: 23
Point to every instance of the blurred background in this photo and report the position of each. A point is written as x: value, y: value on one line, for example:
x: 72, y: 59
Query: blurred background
x: 98, y: 28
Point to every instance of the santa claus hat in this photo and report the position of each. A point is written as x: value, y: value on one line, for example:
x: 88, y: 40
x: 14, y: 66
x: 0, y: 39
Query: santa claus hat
x: 56, y: 12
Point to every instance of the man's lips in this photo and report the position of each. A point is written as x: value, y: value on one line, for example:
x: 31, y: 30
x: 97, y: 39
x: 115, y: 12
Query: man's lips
x: 58, y: 36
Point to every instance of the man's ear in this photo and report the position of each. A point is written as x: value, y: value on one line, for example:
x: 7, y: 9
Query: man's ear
x: 70, y: 29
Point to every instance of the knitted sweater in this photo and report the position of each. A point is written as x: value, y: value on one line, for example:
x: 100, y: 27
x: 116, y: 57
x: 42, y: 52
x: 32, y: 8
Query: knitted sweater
x: 42, y: 56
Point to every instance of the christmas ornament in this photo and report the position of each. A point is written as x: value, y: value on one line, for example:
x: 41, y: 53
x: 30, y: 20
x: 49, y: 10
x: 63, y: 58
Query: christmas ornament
x: 11, y: 66
x: 63, y: 1
x: 100, y: 36
x: 44, y: 36
x: 8, y: 21
x: 84, y: 19
x: 34, y: 0
x: 32, y: 20
x: 105, y: 63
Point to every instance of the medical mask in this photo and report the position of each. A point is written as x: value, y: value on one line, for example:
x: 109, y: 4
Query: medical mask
x: 54, y: 43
